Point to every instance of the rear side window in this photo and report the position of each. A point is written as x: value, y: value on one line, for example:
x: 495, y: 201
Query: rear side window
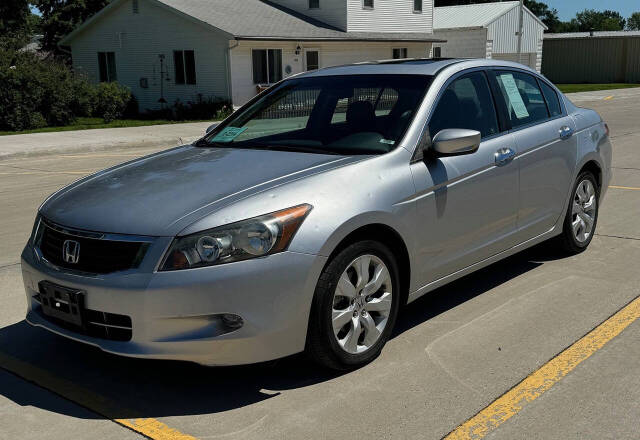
x: 466, y: 103
x: 551, y: 97
x: 523, y: 98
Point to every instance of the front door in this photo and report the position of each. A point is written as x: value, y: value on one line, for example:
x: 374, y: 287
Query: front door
x: 466, y: 204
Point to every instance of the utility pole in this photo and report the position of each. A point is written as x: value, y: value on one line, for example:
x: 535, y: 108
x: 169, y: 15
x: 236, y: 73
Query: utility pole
x: 520, y: 26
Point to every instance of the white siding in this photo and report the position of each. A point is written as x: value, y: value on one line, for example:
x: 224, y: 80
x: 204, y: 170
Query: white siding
x: 138, y: 39
x: 503, y: 33
x: 389, y: 16
x: 529, y: 59
x: 333, y: 12
x: 331, y: 54
x: 466, y: 43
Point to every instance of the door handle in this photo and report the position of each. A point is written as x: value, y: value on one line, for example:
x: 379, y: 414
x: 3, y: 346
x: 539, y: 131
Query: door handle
x: 566, y: 132
x: 504, y: 156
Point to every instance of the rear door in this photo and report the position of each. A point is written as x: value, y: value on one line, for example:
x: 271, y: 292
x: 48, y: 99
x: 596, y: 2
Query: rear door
x: 466, y: 204
x: 547, y: 149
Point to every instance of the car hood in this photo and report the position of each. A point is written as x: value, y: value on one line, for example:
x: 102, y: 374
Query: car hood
x: 160, y: 195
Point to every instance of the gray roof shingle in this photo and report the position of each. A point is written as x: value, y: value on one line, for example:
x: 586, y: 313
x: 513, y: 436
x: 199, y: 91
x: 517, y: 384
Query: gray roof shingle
x: 263, y: 20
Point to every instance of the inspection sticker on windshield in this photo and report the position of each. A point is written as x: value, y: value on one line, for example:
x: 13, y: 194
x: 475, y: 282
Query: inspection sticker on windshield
x: 228, y: 134
x: 515, y: 99
x: 387, y: 141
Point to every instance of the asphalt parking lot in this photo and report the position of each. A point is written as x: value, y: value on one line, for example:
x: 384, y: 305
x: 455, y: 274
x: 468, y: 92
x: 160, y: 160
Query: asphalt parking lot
x: 487, y: 350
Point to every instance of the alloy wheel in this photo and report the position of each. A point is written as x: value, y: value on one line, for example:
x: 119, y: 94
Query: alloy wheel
x: 583, y: 213
x: 362, y: 304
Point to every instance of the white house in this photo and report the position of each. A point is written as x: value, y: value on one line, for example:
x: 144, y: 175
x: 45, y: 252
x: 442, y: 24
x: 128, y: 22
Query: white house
x: 165, y: 50
x: 489, y: 30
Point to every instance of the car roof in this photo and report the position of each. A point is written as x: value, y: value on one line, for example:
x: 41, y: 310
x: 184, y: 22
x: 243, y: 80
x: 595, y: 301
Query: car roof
x: 410, y: 66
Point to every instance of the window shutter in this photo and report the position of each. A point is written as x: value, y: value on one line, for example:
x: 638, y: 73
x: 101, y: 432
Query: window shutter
x: 190, y: 66
x: 178, y: 63
x: 102, y: 66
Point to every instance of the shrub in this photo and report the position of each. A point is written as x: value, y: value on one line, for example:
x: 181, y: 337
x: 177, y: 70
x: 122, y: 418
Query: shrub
x: 34, y: 92
x: 200, y: 109
x: 111, y: 101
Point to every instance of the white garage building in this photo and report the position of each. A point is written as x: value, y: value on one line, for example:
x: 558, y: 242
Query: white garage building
x: 488, y: 30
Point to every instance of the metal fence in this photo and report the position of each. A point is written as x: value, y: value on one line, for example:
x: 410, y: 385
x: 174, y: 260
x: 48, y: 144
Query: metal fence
x: 599, y: 59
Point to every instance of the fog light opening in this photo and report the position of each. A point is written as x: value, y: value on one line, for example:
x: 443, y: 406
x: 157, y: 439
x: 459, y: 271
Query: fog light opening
x: 232, y: 322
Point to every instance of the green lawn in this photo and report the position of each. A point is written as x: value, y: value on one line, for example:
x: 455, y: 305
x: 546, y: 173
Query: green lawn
x: 573, y: 88
x: 90, y: 123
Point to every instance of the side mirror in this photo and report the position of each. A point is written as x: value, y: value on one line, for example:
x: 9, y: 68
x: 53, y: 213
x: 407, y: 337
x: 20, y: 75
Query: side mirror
x: 211, y: 127
x: 456, y: 141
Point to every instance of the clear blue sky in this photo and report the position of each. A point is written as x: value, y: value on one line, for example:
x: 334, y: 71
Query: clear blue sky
x: 567, y: 8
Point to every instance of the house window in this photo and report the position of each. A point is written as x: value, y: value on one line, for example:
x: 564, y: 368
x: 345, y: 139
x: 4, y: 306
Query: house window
x: 417, y: 5
x: 400, y: 53
x: 314, y: 4
x: 437, y: 52
x: 135, y: 7
x: 367, y: 4
x: 184, y: 62
x: 267, y: 66
x: 107, y: 66
x: 313, y: 60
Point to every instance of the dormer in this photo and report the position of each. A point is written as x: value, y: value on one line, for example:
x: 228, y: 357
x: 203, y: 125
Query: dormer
x: 400, y: 16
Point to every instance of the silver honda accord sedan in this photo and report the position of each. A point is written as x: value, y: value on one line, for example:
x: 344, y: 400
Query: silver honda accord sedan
x: 305, y: 220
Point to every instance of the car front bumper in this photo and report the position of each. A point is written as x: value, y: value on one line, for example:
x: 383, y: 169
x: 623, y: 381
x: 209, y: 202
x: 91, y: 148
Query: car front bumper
x: 175, y: 315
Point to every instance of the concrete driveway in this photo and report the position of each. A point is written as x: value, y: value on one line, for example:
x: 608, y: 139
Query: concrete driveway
x: 499, y: 331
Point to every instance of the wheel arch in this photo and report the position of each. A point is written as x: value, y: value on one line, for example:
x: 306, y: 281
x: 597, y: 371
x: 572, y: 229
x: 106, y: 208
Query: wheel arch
x: 391, y: 238
x: 595, y: 168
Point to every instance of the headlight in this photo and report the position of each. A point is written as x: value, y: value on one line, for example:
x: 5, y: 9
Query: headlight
x: 256, y: 237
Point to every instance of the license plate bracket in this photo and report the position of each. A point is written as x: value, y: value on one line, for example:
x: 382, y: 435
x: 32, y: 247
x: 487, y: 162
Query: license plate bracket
x: 63, y: 303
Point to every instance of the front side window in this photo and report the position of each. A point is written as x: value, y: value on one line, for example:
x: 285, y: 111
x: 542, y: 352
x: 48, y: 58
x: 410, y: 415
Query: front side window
x: 267, y: 66
x: 523, y: 98
x: 553, y: 103
x: 417, y: 5
x: 107, y: 66
x: 400, y: 53
x: 352, y: 114
x: 184, y: 63
x: 466, y: 103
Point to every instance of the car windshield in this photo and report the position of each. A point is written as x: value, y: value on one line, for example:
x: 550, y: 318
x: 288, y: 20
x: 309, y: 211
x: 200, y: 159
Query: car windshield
x: 347, y: 115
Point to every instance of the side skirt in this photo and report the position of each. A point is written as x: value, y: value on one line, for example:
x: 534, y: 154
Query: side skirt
x: 556, y: 230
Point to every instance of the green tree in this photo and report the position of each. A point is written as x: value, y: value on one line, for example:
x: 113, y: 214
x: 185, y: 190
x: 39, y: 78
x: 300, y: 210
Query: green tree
x: 590, y: 19
x: 61, y: 17
x: 633, y: 23
x: 14, y: 28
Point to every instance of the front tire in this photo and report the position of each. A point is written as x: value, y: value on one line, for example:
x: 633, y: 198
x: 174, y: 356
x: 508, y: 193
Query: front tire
x: 582, y: 215
x: 355, y: 306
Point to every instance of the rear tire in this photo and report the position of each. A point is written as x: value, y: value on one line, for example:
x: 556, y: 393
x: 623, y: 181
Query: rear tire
x: 582, y: 215
x: 355, y: 306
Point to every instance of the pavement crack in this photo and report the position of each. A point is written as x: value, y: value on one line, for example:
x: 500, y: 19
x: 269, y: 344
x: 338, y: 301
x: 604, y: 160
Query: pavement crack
x: 621, y: 237
x: 10, y: 265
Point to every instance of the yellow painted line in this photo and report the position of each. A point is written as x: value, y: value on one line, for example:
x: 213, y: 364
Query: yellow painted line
x: 608, y: 98
x: 89, y: 399
x: 154, y: 429
x: 624, y: 187
x: 514, y: 400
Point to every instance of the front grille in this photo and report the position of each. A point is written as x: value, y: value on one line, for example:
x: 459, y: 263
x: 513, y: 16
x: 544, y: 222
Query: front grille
x: 100, y: 325
x: 96, y: 256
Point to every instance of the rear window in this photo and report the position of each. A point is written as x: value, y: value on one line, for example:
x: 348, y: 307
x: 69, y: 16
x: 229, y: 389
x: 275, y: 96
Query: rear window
x: 551, y: 97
